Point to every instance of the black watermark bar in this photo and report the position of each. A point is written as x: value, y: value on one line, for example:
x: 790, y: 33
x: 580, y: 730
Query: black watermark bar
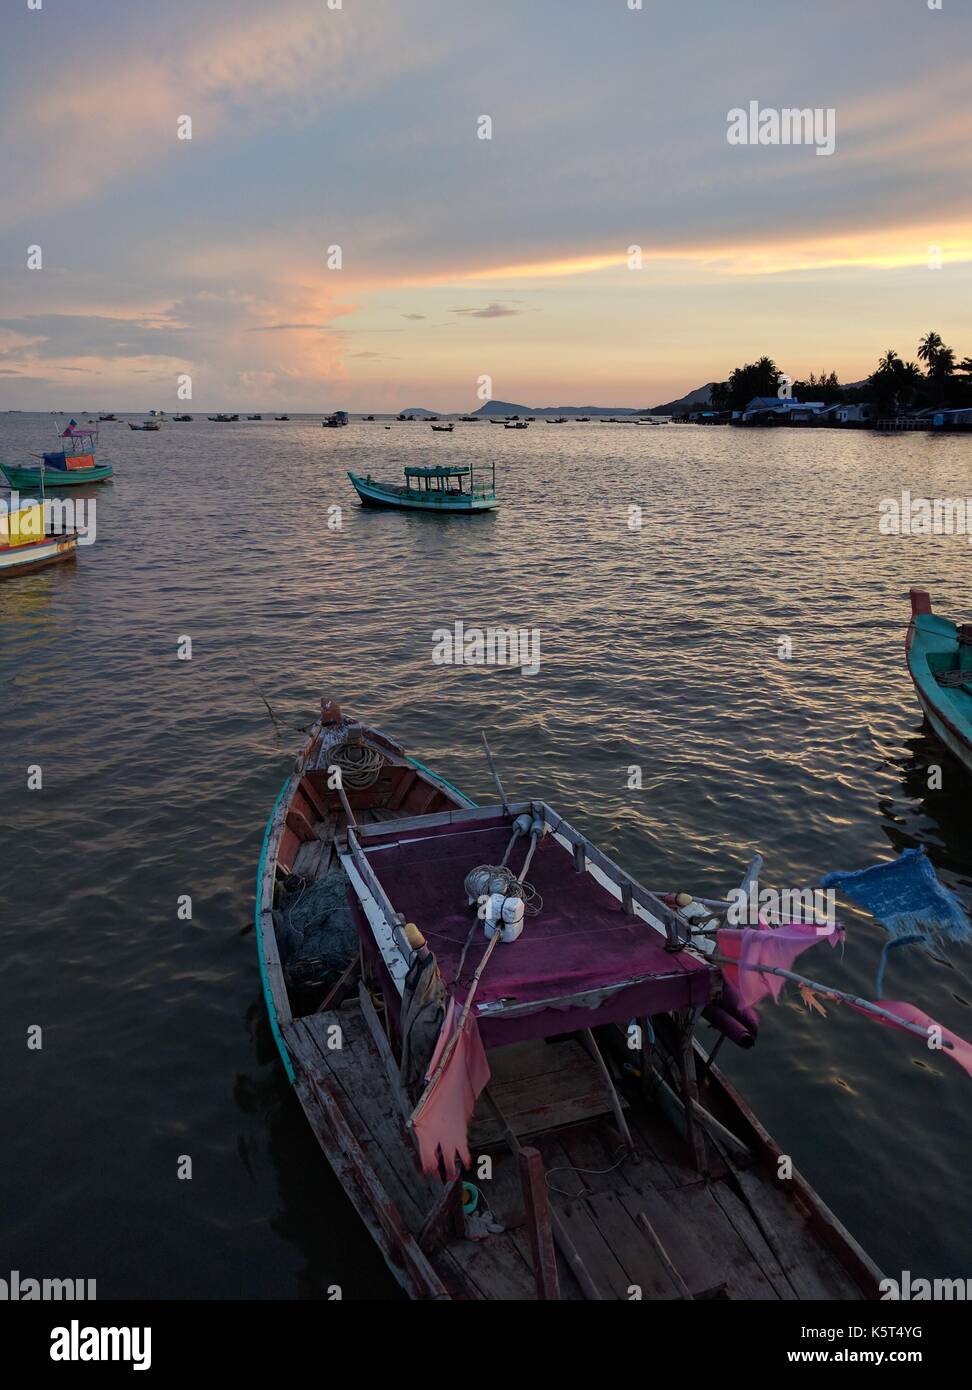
x: 169, y: 1340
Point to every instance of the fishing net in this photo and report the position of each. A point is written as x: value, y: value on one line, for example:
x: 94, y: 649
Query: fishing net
x: 319, y: 937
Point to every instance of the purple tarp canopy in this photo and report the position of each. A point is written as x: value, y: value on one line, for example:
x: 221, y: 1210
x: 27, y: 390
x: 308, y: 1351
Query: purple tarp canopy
x: 582, y: 942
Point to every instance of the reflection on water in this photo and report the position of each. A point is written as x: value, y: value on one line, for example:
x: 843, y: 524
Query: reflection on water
x: 660, y: 648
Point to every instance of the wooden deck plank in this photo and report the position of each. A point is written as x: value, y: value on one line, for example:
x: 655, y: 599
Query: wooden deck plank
x: 631, y: 1247
x: 352, y: 1166
x: 703, y: 1276
x: 765, y: 1255
x: 361, y: 1072
x: 813, y: 1271
x: 518, y: 1061
x: 309, y: 857
x: 504, y: 1197
x: 496, y: 1267
x: 602, y: 1265
x: 371, y: 1114
x: 701, y: 1223
x: 571, y: 1089
x: 602, y: 1164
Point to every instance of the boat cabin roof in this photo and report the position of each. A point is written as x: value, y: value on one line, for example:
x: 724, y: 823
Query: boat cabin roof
x: 589, y: 956
x: 438, y: 470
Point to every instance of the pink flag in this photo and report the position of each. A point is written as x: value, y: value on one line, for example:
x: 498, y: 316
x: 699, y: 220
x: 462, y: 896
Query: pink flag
x: 960, y: 1051
x: 777, y: 946
x: 442, y: 1116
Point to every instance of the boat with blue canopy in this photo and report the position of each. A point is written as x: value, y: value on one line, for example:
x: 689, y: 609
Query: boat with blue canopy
x: 73, y: 465
x: 433, y: 488
x: 939, y: 656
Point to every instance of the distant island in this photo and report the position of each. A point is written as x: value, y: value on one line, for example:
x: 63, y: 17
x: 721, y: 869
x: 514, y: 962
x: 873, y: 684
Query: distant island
x: 693, y: 401
x: 939, y: 381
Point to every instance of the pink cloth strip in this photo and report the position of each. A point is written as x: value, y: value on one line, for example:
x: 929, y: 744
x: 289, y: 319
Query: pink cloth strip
x: 960, y: 1051
x: 442, y: 1126
x: 775, y: 946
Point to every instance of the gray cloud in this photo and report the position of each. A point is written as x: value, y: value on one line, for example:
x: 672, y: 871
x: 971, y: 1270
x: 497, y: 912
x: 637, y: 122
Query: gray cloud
x: 491, y: 311
x: 93, y: 335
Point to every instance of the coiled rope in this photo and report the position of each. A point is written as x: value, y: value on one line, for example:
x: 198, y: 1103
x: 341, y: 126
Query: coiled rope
x: 358, y: 764
x: 497, y: 878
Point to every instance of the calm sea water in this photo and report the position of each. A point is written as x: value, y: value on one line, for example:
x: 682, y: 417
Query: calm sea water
x: 660, y: 647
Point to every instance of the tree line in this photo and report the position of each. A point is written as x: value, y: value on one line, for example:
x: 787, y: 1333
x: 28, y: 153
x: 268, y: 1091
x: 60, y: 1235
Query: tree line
x: 895, y: 387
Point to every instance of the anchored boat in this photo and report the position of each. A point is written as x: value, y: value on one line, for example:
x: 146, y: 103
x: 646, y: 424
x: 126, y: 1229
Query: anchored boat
x: 606, y: 1153
x: 939, y: 655
x: 73, y: 465
x: 27, y: 544
x: 437, y: 488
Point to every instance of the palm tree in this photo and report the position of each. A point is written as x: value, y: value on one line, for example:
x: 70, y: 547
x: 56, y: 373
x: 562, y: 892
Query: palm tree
x: 944, y: 363
x: 929, y: 348
x: 889, y: 361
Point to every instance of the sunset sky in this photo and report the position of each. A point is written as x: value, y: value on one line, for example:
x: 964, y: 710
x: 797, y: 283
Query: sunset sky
x: 465, y: 257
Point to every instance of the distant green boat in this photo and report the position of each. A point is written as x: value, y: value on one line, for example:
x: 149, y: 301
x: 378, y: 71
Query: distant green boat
x: 940, y: 662
x: 437, y: 488
x: 29, y: 475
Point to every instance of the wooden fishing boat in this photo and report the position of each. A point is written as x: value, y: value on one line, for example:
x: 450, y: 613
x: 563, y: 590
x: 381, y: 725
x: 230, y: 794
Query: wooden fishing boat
x: 73, y: 465
x: 336, y: 421
x: 26, y: 545
x: 28, y: 476
x: 281, y: 417
x: 437, y: 488
x: 443, y: 429
x: 939, y: 655
x: 518, y: 425
x: 150, y: 426
x: 606, y: 1163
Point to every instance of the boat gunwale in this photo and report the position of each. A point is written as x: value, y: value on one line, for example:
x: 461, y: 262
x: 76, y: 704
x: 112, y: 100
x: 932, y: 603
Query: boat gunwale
x: 268, y: 950
x: 933, y: 709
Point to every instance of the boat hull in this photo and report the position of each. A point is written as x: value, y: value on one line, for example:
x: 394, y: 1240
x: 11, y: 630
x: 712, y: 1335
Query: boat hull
x: 378, y: 495
x: 948, y: 711
x: 23, y: 559
x: 28, y: 477
x: 354, y: 1102
x: 946, y: 733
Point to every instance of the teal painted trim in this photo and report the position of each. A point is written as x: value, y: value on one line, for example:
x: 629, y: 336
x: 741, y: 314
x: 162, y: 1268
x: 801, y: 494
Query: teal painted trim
x: 268, y: 997
x: 444, y: 780
x: 30, y: 477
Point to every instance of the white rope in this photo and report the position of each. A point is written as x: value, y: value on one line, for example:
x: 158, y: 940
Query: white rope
x: 358, y: 764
